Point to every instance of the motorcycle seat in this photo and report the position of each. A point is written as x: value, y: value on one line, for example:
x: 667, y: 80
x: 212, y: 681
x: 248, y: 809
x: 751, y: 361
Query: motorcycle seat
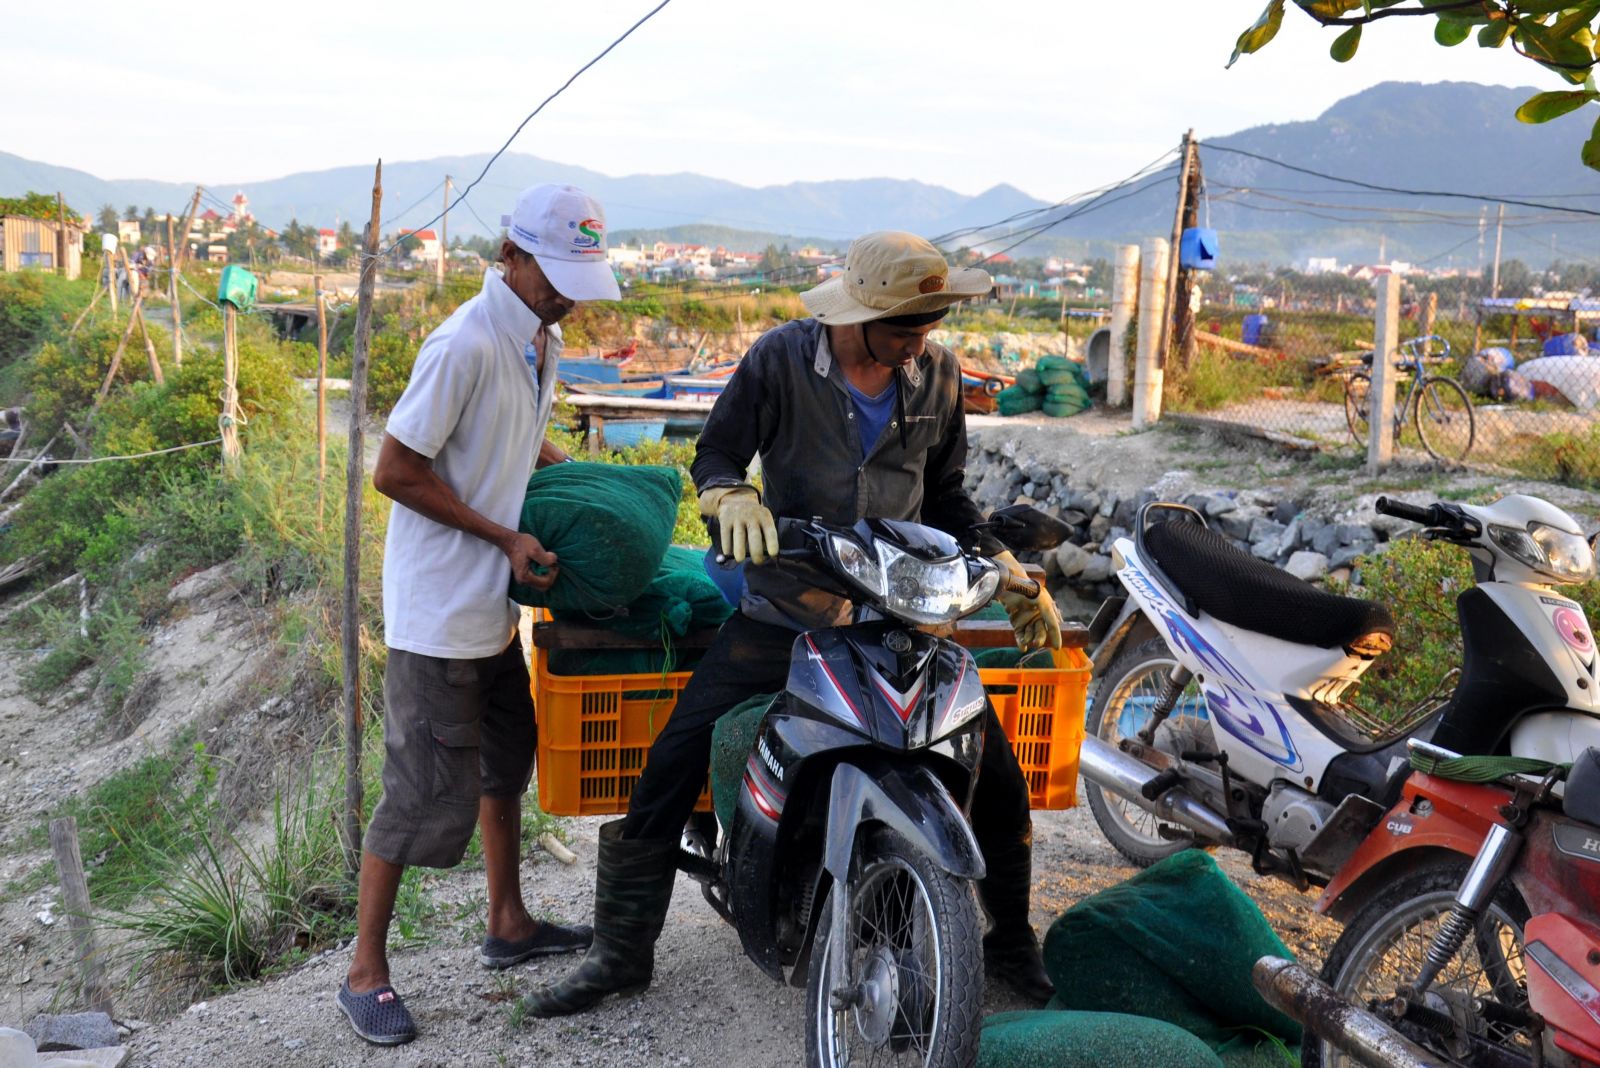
x: 1249, y: 593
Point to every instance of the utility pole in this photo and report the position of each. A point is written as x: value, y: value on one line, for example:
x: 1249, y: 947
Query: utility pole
x: 1183, y: 314
x: 1483, y: 227
x: 1499, y: 224
x: 188, y: 224
x: 1164, y: 341
x: 444, y: 235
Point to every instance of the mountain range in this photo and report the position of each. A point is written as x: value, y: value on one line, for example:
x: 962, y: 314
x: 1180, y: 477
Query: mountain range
x: 1453, y: 139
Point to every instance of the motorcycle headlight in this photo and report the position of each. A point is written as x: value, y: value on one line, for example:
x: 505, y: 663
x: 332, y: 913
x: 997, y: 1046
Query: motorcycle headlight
x: 920, y: 591
x: 979, y: 593
x: 858, y: 565
x: 1559, y: 554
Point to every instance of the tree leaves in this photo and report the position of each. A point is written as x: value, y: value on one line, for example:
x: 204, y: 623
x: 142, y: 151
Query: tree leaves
x: 1565, y: 56
x: 1263, y: 31
x: 1591, y: 148
x: 1344, y: 45
x: 1451, y: 32
x: 1542, y: 107
x: 1494, y: 35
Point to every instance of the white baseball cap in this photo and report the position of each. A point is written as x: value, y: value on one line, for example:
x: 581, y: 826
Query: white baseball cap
x: 564, y: 229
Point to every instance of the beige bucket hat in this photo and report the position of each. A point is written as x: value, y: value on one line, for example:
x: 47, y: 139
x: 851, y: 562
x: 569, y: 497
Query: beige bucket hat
x: 891, y: 273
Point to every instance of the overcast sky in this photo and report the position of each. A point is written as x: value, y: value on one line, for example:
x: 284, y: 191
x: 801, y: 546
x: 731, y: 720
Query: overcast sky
x: 1052, y: 96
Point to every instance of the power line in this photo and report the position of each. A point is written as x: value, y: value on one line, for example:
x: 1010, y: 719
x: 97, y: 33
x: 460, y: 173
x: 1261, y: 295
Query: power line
x: 1515, y: 201
x: 543, y: 104
x: 1093, y: 205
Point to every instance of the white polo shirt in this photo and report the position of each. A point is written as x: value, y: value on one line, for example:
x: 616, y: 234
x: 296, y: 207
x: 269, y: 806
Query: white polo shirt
x: 474, y: 409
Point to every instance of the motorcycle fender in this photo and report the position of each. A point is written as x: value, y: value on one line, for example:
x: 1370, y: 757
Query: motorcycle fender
x: 1433, y: 816
x: 1563, y: 983
x: 1129, y: 613
x: 912, y: 802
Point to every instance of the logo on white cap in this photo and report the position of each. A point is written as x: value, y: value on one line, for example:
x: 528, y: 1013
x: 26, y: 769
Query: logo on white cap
x: 590, y: 237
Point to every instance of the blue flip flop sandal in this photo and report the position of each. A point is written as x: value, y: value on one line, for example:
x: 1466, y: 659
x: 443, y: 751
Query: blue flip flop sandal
x: 379, y: 1016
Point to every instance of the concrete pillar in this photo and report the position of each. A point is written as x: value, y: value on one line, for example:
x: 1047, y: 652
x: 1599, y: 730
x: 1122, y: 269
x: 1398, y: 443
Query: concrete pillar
x: 1385, y: 345
x: 1147, y: 371
x: 1124, y: 302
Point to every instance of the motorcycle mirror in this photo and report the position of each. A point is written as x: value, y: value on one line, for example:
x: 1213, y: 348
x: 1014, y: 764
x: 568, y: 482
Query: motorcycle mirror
x: 1023, y: 528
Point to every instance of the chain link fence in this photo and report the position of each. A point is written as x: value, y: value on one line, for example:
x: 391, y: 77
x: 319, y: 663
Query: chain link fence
x: 1509, y: 386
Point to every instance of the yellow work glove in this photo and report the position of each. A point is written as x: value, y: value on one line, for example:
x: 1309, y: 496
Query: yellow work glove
x: 1035, y: 619
x: 746, y: 524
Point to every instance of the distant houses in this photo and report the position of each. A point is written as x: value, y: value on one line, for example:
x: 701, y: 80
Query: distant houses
x: 37, y: 243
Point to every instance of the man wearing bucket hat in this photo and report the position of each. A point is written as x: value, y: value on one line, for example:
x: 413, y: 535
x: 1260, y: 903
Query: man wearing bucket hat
x: 854, y: 413
x: 458, y: 721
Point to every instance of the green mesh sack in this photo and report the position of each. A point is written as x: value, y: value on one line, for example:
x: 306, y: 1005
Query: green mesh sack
x: 1178, y: 941
x: 731, y: 740
x: 1058, y: 370
x: 1067, y: 391
x: 1014, y: 400
x: 1064, y: 409
x: 1028, y: 381
x: 681, y: 598
x: 609, y: 526
x: 1088, y: 1040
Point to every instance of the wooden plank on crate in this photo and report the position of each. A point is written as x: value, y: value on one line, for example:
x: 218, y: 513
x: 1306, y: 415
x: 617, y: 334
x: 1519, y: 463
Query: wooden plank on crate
x: 972, y: 633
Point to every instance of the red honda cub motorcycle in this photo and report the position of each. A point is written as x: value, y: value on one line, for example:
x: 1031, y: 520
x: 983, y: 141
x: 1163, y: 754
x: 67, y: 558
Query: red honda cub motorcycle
x: 1472, y: 917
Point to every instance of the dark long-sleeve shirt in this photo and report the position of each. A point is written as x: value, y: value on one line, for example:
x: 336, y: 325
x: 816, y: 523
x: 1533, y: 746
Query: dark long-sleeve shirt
x: 788, y: 403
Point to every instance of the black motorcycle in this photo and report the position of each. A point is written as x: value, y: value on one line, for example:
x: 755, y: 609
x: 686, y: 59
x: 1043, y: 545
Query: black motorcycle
x: 850, y: 855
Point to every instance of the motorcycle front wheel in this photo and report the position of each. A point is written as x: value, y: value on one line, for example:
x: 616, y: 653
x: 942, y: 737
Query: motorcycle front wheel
x: 909, y: 986
x: 1383, y: 948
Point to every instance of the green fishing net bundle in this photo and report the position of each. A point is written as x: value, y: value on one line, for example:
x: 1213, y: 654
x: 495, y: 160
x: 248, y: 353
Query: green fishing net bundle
x: 731, y: 740
x: 609, y: 526
x: 1176, y: 942
x: 1088, y: 1040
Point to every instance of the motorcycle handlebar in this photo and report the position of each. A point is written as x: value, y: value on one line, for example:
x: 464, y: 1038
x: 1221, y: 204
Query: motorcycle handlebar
x: 1431, y: 516
x: 1021, y: 584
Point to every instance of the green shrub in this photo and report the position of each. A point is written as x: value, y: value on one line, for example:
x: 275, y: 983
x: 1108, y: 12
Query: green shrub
x: 1419, y: 581
x: 392, y: 357
x: 34, y: 306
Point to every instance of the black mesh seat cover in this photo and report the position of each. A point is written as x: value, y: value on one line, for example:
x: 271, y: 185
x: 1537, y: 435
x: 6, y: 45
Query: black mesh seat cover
x: 1252, y: 594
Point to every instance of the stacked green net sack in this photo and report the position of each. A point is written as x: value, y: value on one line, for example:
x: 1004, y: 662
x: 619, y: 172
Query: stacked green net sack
x: 1175, y: 943
x: 1056, y: 386
x: 1066, y: 388
x: 610, y: 527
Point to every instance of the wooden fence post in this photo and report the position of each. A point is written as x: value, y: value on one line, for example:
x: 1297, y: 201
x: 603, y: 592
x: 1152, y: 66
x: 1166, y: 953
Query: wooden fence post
x: 322, y: 392
x: 172, y: 295
x: 75, y: 895
x: 116, y: 357
x: 229, y: 423
x: 355, y: 483
x: 1380, y: 398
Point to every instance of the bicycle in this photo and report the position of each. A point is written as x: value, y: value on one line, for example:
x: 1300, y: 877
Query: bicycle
x: 1441, y: 410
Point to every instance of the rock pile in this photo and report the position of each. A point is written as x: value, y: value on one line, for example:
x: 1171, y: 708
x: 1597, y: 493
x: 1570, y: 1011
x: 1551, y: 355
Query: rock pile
x: 1288, y: 533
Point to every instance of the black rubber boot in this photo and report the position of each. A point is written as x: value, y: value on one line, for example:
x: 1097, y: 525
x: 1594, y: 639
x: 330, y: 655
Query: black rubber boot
x: 1010, y: 949
x: 633, y: 886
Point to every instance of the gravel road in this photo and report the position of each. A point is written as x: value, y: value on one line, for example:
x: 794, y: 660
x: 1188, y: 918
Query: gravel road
x: 708, y: 1005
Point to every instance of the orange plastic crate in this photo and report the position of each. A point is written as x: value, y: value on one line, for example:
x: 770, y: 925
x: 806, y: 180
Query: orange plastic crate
x: 595, y: 731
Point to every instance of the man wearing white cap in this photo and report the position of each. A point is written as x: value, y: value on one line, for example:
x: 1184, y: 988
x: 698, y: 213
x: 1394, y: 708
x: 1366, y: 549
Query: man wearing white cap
x: 854, y: 414
x: 458, y: 721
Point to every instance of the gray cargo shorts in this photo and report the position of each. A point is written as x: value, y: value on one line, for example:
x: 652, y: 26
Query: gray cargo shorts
x: 454, y: 731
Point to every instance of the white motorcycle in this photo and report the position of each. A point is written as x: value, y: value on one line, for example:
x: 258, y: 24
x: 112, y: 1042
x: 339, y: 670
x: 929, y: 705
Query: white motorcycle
x: 1220, y: 715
